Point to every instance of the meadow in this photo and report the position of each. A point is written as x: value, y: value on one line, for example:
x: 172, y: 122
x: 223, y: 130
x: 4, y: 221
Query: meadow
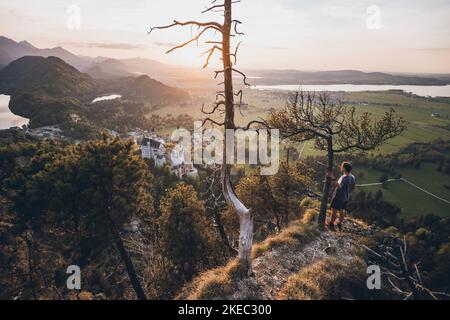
x: 417, y: 111
x: 413, y: 202
x: 422, y: 127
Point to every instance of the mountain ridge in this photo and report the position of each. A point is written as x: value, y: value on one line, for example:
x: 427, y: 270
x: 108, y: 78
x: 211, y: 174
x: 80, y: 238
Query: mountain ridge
x: 11, y: 50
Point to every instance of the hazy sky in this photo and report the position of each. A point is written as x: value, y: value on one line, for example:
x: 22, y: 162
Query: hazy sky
x: 413, y: 35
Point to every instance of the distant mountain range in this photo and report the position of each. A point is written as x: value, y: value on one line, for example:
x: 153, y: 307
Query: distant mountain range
x: 107, y: 68
x: 97, y: 67
x: 11, y: 50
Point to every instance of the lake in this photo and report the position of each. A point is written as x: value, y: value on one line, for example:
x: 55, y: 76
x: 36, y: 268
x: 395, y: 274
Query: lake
x: 110, y: 97
x: 7, y: 118
x: 432, y: 91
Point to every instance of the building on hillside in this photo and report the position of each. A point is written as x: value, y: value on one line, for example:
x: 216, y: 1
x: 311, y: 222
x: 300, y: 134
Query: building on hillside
x: 178, y: 164
x: 47, y: 132
x: 153, y: 148
x: 182, y: 170
x: 75, y: 117
x: 137, y: 136
x: 113, y: 133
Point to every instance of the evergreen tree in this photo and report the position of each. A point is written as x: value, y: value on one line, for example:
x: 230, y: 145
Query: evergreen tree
x: 185, y: 236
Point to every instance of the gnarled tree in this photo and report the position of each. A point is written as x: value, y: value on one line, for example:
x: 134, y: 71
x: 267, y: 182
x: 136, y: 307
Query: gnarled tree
x: 334, y: 127
x: 225, y: 105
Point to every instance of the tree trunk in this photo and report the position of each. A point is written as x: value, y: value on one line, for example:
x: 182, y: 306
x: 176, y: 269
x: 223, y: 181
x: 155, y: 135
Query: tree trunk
x: 245, y: 216
x: 30, y: 266
x: 222, y: 232
x: 127, y: 261
x: 326, y: 186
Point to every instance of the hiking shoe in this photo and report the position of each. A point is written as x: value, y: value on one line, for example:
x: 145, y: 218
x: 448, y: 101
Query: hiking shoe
x: 339, y: 226
x: 332, y: 227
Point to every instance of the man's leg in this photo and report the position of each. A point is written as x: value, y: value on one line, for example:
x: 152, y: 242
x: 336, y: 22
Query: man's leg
x: 333, y: 216
x: 341, y: 219
x: 341, y: 216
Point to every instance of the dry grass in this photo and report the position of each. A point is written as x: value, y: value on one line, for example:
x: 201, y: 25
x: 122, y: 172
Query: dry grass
x: 221, y: 282
x: 330, y: 278
x: 213, y: 284
x: 296, y: 233
x: 310, y: 216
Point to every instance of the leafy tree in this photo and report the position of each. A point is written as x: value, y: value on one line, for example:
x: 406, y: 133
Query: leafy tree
x: 289, y: 185
x: 334, y: 127
x: 254, y: 190
x: 274, y: 199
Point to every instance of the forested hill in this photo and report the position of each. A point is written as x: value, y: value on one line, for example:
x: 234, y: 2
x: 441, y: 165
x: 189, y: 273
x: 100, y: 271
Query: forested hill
x: 144, y: 89
x: 55, y: 78
x: 48, y: 90
x: 45, y: 76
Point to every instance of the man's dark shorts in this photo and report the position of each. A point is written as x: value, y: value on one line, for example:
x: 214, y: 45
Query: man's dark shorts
x: 338, y: 204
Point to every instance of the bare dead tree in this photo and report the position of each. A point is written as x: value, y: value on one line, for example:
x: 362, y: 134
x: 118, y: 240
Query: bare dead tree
x: 225, y: 105
x: 215, y: 204
x: 334, y: 127
x: 403, y: 276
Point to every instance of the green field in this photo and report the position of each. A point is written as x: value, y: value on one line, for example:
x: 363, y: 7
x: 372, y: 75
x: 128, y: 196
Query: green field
x: 413, y: 202
x: 422, y: 127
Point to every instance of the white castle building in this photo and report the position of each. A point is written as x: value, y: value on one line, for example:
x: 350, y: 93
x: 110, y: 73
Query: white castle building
x: 153, y: 148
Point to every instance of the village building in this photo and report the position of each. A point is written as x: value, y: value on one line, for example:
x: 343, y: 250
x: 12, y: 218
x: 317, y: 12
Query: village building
x: 75, y: 117
x: 47, y: 132
x: 153, y: 148
x: 179, y: 164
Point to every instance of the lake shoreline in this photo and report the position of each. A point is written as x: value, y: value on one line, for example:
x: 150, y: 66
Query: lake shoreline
x: 419, y: 90
x: 7, y: 118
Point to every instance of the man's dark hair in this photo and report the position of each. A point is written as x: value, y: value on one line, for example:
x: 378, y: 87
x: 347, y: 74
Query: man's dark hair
x: 347, y: 166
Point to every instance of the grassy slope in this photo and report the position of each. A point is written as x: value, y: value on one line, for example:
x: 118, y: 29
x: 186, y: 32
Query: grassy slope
x: 298, y: 263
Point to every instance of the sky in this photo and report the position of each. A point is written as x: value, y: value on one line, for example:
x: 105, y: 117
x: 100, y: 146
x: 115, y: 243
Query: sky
x: 376, y: 35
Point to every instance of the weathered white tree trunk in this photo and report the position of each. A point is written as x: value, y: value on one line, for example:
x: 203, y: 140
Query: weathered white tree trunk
x: 245, y: 222
x: 245, y: 216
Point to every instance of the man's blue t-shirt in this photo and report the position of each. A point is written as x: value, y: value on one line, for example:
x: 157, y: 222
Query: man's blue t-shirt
x: 346, y: 186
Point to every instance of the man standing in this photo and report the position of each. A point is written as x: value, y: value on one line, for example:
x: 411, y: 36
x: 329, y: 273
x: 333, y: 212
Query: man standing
x: 344, y: 187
